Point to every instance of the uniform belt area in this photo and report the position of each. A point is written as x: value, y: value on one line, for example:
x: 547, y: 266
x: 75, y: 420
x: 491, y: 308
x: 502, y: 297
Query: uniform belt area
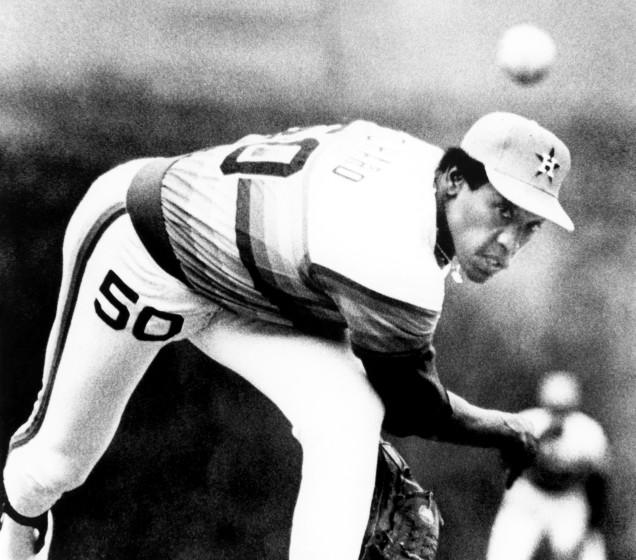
x: 143, y: 202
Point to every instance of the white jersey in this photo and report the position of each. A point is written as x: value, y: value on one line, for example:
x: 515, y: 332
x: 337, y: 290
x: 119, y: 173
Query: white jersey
x: 570, y: 448
x: 548, y: 504
x: 328, y: 225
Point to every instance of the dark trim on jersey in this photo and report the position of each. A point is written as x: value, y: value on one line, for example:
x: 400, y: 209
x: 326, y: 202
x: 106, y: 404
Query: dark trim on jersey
x: 244, y: 243
x: 424, y: 350
x: 316, y: 269
x: 289, y: 306
x: 143, y: 202
x: 79, y: 266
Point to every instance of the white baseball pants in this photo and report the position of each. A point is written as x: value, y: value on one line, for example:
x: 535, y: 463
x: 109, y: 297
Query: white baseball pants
x: 529, y: 515
x: 117, y: 308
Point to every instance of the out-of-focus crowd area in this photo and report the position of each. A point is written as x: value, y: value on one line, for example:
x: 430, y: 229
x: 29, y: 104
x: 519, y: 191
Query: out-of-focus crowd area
x: 202, y: 465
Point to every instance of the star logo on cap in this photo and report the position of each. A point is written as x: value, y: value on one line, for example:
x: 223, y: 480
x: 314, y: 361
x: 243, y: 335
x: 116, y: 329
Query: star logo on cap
x: 549, y: 164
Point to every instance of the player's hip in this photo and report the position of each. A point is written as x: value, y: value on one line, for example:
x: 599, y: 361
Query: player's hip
x: 123, y: 220
x: 103, y: 250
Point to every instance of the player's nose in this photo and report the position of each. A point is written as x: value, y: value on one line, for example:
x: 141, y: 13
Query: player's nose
x: 509, y: 239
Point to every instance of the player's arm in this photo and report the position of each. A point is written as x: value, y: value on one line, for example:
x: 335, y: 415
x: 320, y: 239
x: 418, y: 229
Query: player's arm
x: 482, y: 427
x: 598, y: 481
x: 393, y: 339
x: 596, y: 489
x: 417, y: 403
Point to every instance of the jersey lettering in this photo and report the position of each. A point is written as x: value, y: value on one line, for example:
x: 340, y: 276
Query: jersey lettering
x: 356, y: 168
x: 118, y: 321
x: 280, y: 155
x: 280, y: 159
x: 151, y: 324
x: 170, y: 323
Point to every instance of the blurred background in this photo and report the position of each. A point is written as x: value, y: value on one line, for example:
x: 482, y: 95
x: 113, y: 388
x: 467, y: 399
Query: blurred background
x: 203, y: 466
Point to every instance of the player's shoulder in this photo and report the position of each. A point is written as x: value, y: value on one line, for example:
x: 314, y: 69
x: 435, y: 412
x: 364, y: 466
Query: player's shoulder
x: 586, y: 426
x: 371, y: 214
x: 398, y: 137
x: 586, y: 435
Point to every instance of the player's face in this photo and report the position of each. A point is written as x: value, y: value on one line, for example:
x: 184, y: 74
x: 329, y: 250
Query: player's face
x: 487, y: 230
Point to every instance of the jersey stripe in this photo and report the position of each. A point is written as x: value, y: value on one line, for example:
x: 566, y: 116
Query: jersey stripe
x: 31, y: 428
x: 254, y: 256
x: 143, y: 201
x: 377, y: 322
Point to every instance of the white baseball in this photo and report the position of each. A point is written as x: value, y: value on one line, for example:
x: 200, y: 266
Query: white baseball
x: 526, y: 53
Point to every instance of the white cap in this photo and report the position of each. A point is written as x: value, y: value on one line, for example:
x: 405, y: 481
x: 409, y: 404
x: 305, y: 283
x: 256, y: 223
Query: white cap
x: 525, y: 162
x: 559, y: 389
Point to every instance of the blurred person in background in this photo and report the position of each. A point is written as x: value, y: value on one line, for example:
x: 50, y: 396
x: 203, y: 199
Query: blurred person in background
x: 312, y: 262
x: 558, y: 505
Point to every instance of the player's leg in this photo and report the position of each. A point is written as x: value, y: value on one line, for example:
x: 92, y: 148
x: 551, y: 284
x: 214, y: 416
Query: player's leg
x: 593, y: 547
x: 567, y: 525
x: 336, y: 416
x: 116, y: 309
x: 518, y: 526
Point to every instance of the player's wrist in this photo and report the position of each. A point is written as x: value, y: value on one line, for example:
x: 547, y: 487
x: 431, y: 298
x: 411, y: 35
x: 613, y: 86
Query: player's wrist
x: 516, y: 430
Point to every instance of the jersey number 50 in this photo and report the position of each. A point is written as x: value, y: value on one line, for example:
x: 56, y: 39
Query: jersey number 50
x: 118, y: 321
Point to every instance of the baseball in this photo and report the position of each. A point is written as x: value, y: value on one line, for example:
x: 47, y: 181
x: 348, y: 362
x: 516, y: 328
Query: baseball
x: 526, y: 53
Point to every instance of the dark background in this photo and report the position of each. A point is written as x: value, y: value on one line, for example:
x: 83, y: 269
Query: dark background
x: 202, y: 465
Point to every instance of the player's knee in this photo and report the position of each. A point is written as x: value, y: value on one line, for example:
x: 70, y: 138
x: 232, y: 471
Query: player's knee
x: 57, y: 472
x: 64, y: 473
x: 37, y: 478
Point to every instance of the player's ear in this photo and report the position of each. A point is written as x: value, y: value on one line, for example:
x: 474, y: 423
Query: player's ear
x: 454, y: 181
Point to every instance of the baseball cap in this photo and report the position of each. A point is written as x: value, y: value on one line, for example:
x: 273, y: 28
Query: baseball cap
x: 524, y: 162
x: 559, y: 389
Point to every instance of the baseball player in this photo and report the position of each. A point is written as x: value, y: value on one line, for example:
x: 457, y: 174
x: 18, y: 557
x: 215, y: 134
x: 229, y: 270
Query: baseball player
x: 559, y: 503
x: 311, y: 262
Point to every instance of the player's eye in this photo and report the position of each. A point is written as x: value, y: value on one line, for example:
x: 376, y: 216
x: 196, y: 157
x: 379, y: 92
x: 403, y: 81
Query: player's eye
x: 506, y: 211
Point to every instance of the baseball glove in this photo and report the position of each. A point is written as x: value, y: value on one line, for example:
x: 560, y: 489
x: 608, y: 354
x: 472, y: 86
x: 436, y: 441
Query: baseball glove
x: 405, y: 520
